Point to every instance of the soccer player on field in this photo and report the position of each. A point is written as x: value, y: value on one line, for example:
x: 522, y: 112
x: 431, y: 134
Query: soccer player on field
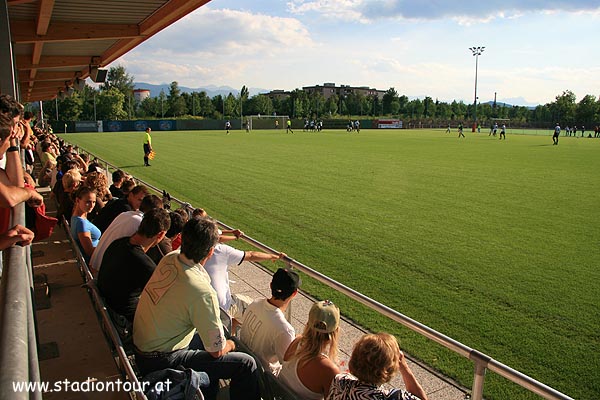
x: 556, y: 134
x: 503, y: 132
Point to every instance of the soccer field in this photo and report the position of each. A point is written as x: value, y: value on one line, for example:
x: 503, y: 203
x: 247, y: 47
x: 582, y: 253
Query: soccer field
x: 493, y: 243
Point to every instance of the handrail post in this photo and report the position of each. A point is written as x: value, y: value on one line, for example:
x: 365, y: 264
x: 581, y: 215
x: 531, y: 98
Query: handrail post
x: 481, y: 362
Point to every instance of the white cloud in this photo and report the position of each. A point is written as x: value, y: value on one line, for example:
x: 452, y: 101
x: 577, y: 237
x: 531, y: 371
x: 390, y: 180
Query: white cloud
x: 210, y: 32
x: 213, y: 46
x: 464, y: 12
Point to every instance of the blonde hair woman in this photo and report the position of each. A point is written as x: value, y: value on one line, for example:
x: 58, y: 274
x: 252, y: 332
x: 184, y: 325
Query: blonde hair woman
x: 375, y: 360
x: 309, y: 364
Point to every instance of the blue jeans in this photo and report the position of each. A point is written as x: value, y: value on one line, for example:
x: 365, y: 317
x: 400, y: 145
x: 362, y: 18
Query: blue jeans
x: 239, y: 367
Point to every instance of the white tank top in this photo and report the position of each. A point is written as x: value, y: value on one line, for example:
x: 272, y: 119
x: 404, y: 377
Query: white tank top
x: 289, y: 375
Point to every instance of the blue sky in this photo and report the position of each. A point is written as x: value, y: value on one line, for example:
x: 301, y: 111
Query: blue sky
x: 535, y: 50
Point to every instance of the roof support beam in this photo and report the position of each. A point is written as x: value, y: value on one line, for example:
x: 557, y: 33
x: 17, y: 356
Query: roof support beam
x: 41, y: 76
x: 24, y: 62
x: 26, y: 32
x: 44, y: 16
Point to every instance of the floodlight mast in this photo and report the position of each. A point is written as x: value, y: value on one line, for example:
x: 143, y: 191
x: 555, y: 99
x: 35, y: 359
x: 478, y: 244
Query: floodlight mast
x: 476, y: 53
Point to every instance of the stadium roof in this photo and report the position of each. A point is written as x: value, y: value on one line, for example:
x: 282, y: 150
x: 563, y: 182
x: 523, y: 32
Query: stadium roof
x: 57, y: 41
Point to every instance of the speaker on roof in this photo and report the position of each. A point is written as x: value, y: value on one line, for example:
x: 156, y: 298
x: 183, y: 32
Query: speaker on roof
x: 79, y: 84
x: 98, y: 75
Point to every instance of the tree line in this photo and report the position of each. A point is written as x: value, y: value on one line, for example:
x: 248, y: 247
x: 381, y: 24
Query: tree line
x: 114, y: 100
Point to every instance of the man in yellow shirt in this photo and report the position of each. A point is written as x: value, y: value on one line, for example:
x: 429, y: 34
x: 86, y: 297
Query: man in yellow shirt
x: 177, y: 322
x: 147, y: 146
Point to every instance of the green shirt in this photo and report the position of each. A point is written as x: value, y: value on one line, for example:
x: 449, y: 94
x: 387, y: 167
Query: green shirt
x: 148, y: 139
x: 177, y: 301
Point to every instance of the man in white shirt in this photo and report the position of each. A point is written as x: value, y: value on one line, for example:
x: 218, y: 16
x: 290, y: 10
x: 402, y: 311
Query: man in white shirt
x: 218, y: 269
x: 264, y: 327
x: 124, y: 225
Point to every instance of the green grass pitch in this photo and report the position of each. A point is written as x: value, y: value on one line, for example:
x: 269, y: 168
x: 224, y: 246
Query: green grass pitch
x: 494, y: 243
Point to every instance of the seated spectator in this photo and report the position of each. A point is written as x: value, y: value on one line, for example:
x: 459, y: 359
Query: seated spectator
x: 118, y: 177
x: 264, y: 327
x: 85, y: 233
x: 117, y: 206
x: 47, y: 154
x: 309, y: 363
x: 127, y: 186
x: 125, y: 225
x: 375, y: 360
x: 176, y: 241
x: 63, y: 165
x: 218, y: 269
x: 164, y: 247
x: 71, y: 180
x: 98, y: 182
x: 125, y: 266
x: 177, y: 322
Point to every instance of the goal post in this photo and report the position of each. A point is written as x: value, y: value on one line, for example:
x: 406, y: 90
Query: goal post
x: 266, y: 121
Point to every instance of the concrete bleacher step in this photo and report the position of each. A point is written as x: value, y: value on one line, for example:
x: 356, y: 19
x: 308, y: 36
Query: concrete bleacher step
x: 71, y: 343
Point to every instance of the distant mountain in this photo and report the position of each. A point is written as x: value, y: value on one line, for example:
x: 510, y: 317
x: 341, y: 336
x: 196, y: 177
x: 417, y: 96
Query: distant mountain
x: 502, y: 104
x: 211, y: 90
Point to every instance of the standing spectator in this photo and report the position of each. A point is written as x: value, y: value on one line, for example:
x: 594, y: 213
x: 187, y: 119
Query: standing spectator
x: 11, y: 195
x: 309, y: 363
x: 177, y: 322
x: 375, y: 360
x: 29, y: 158
x: 264, y: 329
x: 85, y: 233
x: 147, y: 146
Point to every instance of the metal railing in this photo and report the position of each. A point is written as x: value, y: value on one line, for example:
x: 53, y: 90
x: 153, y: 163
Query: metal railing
x: 18, y: 345
x: 481, y: 361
